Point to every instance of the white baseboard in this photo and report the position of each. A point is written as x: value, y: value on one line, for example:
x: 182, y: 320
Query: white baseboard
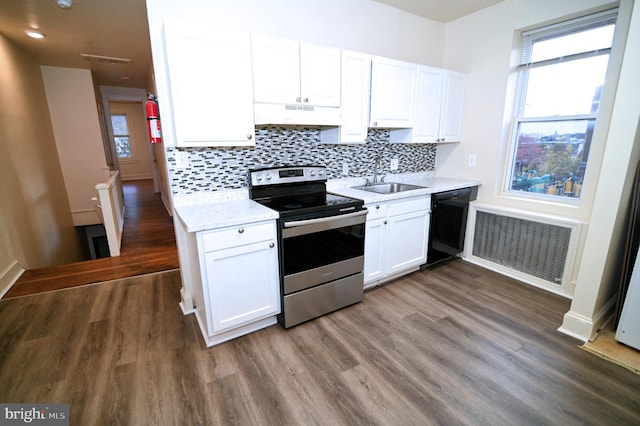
x: 9, y: 276
x: 585, y: 328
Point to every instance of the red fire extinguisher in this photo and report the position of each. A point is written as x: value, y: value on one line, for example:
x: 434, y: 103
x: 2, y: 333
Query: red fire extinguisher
x: 153, y: 119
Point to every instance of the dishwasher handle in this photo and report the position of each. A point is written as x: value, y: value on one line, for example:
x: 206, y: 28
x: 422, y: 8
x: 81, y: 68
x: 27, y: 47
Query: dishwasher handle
x: 456, y: 193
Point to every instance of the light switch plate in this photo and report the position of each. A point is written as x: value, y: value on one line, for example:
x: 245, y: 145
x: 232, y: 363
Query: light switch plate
x: 345, y: 168
x: 472, y: 160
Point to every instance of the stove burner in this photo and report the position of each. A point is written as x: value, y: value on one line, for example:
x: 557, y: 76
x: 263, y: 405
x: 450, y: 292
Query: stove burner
x: 292, y: 206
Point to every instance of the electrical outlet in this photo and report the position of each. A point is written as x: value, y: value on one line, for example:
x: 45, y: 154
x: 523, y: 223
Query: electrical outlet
x: 472, y: 160
x: 345, y: 168
x: 394, y: 164
x: 182, y: 159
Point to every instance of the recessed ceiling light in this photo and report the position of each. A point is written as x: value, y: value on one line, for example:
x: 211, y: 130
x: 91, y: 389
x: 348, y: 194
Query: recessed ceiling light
x: 65, y: 4
x: 34, y: 34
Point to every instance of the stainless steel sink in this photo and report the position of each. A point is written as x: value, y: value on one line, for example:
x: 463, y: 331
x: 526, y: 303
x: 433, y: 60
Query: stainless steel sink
x: 388, y: 187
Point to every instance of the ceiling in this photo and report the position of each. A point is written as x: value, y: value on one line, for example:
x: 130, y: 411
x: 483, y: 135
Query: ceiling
x: 440, y: 10
x: 118, y: 29
x: 112, y: 28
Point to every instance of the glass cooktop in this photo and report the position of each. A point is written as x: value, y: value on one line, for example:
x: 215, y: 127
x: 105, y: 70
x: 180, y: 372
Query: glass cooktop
x: 312, y: 203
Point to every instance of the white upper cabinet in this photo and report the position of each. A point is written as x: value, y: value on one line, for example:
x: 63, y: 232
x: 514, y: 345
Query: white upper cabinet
x: 452, y: 106
x: 320, y: 75
x: 392, y: 93
x: 356, y: 83
x: 211, y: 85
x: 439, y: 104
x: 295, y: 83
x: 428, y: 104
x: 276, y: 65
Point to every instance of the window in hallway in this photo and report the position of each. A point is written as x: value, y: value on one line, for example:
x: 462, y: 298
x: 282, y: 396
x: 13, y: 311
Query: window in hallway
x: 121, y: 135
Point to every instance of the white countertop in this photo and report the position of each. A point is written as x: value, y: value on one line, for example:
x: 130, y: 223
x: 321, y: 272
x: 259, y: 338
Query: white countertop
x: 219, y: 209
x: 428, y: 181
x: 219, y: 214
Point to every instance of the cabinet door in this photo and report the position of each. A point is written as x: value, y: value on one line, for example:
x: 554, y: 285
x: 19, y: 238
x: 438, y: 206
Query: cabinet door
x: 211, y: 85
x: 375, y: 249
x: 319, y: 75
x: 452, y: 106
x: 243, y: 284
x: 407, y: 245
x: 276, y: 70
x: 428, y: 104
x: 392, y: 90
x: 356, y: 80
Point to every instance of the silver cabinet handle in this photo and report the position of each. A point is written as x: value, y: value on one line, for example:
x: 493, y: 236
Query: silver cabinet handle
x: 249, y: 136
x: 272, y: 245
x: 375, y: 123
x: 377, y: 207
x: 298, y: 99
x: 385, y: 222
x: 241, y: 231
x: 306, y: 100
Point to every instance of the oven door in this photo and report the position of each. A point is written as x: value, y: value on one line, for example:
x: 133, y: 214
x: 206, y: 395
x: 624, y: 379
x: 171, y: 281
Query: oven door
x: 320, y: 250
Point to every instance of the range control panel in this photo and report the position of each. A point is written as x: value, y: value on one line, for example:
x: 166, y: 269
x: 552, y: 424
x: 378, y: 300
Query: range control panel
x: 287, y: 174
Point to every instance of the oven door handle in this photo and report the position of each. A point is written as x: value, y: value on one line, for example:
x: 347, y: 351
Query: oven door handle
x: 324, y: 219
x: 308, y: 226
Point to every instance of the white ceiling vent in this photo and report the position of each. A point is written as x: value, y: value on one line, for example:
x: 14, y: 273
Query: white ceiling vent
x: 105, y: 59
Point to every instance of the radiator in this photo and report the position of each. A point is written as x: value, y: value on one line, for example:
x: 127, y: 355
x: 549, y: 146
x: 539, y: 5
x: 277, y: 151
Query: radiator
x: 536, y: 249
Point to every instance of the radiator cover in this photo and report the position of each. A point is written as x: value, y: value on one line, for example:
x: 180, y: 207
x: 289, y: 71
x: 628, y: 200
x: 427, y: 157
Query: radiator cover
x: 534, y: 248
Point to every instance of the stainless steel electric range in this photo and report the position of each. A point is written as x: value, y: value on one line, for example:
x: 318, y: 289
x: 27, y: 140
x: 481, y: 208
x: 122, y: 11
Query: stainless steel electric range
x: 321, y: 240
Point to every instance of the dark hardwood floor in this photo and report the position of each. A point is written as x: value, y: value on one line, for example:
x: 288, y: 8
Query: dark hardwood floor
x: 453, y: 345
x: 148, y: 245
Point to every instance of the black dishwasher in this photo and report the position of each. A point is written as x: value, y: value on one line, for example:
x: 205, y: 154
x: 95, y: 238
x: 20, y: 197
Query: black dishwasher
x: 448, y: 223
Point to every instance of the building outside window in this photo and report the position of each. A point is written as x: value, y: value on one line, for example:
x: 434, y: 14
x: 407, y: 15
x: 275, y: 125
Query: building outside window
x: 561, y: 75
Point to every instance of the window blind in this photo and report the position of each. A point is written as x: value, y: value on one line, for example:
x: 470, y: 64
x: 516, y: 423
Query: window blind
x: 560, y: 29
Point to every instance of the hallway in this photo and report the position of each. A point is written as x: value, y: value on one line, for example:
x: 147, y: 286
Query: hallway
x: 148, y: 245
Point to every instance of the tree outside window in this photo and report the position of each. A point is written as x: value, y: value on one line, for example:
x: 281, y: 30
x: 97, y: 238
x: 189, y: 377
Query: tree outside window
x: 121, y: 136
x: 562, y: 74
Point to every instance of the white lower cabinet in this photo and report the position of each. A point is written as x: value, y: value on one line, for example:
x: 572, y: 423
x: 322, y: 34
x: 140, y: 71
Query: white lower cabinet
x: 240, y: 284
x: 395, y: 238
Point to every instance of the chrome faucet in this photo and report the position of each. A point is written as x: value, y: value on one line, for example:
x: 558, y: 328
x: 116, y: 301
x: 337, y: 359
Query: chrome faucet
x: 376, y: 166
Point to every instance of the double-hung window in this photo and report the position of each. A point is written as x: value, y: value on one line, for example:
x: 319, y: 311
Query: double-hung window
x: 120, y: 125
x: 561, y: 75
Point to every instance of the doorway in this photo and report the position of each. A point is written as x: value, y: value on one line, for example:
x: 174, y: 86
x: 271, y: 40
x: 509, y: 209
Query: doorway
x: 129, y: 132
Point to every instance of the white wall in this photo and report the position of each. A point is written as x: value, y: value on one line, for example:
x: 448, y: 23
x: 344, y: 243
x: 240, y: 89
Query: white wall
x: 76, y: 127
x: 359, y: 25
x: 483, y: 46
x: 35, y: 223
x: 598, y: 276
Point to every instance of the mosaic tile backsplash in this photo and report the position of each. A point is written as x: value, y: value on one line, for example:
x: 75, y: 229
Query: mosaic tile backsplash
x: 215, y: 169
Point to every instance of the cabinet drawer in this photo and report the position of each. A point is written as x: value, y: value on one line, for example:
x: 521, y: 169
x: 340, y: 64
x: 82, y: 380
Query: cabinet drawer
x: 376, y: 210
x: 409, y: 205
x: 237, y: 236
